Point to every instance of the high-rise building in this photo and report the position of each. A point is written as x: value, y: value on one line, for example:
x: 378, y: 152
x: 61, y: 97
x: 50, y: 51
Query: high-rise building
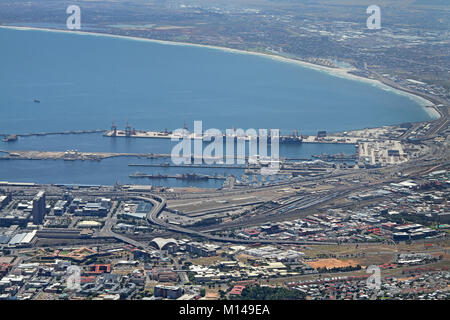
x: 4, y: 200
x: 38, y: 211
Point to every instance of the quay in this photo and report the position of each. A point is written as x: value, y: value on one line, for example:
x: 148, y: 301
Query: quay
x: 60, y: 133
x: 14, y: 137
x: 133, y: 133
x: 72, y: 155
x: 294, y: 138
x: 167, y: 165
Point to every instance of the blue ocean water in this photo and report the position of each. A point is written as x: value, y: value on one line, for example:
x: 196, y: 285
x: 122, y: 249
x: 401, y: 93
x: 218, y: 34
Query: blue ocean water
x: 110, y: 171
x: 86, y: 82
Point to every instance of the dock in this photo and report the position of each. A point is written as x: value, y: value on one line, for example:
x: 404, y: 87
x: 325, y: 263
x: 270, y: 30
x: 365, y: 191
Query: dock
x: 133, y: 133
x: 167, y: 165
x: 37, y: 134
x: 292, y: 139
x: 72, y: 155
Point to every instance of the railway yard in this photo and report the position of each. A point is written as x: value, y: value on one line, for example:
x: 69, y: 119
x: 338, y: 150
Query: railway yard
x: 325, y: 223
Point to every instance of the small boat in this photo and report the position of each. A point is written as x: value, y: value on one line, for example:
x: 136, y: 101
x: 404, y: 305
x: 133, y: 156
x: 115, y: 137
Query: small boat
x: 10, y: 138
x: 37, y: 101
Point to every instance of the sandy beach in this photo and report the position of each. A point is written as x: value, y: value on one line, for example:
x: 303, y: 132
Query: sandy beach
x: 427, y: 105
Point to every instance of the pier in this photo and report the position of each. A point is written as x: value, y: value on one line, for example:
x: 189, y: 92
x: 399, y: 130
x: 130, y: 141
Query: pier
x: 167, y: 165
x: 294, y: 138
x: 72, y: 155
x: 283, y: 139
x: 13, y: 137
x: 133, y: 133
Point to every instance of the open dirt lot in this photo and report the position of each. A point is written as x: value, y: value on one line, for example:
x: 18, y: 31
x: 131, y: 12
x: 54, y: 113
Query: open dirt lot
x: 332, y: 263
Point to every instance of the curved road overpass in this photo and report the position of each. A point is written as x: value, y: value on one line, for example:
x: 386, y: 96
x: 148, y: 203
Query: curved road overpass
x: 160, y: 204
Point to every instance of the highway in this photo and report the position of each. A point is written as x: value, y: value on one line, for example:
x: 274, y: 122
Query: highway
x: 152, y: 217
x: 298, y: 203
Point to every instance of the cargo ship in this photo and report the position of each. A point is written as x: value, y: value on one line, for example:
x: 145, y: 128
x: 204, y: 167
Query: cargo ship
x: 185, y: 176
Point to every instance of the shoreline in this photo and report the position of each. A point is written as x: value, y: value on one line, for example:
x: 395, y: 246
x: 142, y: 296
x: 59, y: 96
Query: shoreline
x: 428, y: 106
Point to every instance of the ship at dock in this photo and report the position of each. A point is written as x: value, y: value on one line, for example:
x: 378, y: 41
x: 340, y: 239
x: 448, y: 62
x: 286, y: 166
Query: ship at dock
x: 335, y: 157
x: 192, y: 176
x: 183, y: 176
x: 130, y: 132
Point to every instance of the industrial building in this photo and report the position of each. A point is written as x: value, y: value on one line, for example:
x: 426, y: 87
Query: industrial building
x: 169, y: 292
x: 4, y: 200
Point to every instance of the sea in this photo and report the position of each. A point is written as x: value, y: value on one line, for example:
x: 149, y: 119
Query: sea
x: 86, y: 82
